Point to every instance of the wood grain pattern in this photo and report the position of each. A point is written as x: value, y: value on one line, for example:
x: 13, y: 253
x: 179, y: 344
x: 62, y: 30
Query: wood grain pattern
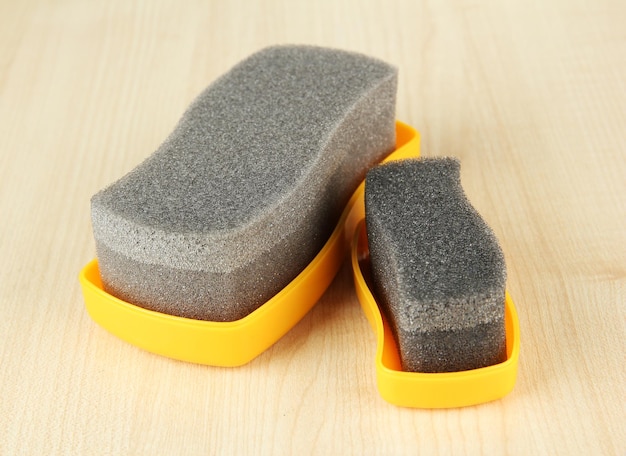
x: 530, y: 95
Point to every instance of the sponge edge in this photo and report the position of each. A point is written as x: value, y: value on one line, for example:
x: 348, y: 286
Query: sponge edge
x: 249, y: 185
x: 437, y: 268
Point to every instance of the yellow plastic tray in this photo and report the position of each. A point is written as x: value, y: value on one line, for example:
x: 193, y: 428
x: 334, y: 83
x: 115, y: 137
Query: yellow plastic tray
x: 237, y: 342
x: 438, y: 390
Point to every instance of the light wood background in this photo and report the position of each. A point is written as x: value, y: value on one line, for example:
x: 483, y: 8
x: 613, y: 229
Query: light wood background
x: 530, y: 95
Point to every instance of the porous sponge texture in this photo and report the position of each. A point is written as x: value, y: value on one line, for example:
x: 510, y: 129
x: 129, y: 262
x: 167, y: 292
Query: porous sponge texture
x: 249, y: 185
x: 437, y: 268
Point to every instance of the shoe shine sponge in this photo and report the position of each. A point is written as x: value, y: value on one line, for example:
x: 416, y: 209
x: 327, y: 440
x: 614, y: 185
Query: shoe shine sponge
x: 437, y: 268
x: 249, y: 185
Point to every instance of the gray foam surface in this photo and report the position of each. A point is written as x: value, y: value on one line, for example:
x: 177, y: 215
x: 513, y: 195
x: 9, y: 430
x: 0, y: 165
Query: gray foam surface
x: 437, y: 268
x: 249, y: 185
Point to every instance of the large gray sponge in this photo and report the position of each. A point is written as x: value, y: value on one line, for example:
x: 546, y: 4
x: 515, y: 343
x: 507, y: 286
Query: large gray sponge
x: 249, y: 185
x: 437, y: 268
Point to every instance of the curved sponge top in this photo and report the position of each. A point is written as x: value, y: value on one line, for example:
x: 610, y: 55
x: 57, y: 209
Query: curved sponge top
x: 263, y: 160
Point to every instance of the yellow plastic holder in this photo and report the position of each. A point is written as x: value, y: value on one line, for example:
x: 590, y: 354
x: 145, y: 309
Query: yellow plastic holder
x: 237, y: 342
x: 430, y: 390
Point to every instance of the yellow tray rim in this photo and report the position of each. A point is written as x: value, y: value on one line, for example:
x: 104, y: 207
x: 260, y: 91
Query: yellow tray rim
x: 431, y: 390
x: 238, y: 342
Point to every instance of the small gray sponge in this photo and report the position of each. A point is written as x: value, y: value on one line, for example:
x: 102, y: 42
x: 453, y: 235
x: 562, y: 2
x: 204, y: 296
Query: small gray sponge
x: 437, y: 268
x: 249, y: 185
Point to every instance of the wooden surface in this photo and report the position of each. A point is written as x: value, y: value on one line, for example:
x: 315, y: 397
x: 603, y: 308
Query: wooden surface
x: 530, y: 95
